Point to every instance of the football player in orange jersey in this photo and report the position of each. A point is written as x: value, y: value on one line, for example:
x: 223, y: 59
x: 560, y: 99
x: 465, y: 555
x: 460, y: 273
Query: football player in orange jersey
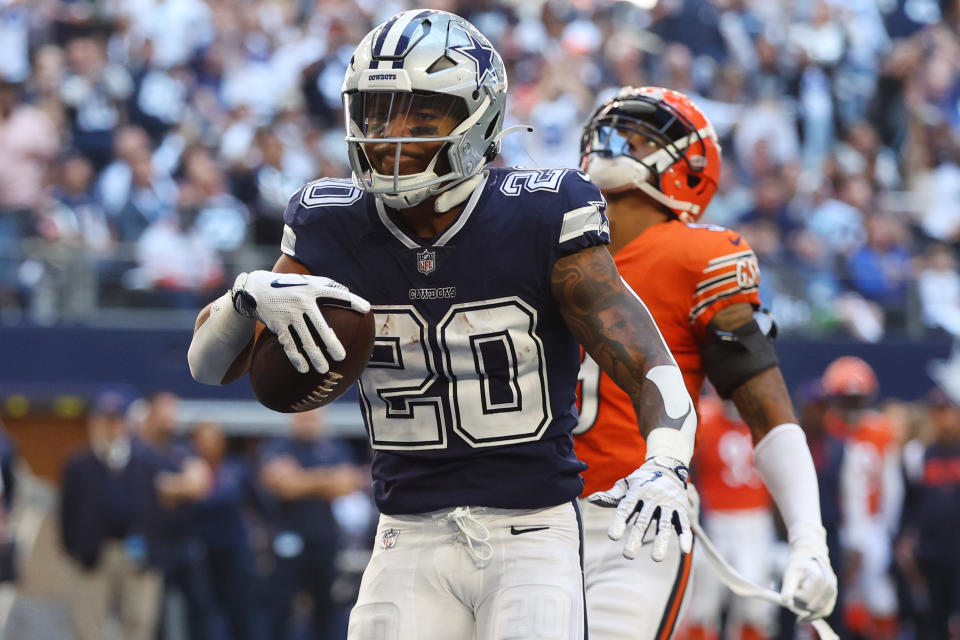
x: 656, y: 158
x: 872, y: 494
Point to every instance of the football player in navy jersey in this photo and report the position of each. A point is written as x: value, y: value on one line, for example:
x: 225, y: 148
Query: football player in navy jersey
x: 483, y: 281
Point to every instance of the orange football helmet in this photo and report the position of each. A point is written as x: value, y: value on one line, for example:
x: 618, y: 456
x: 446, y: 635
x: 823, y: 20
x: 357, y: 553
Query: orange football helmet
x: 682, y: 173
x: 849, y: 376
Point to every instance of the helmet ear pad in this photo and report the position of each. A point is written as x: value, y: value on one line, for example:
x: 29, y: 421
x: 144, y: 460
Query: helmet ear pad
x: 690, y: 181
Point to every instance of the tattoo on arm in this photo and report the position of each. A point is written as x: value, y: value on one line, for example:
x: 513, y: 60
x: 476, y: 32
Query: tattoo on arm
x: 614, y: 327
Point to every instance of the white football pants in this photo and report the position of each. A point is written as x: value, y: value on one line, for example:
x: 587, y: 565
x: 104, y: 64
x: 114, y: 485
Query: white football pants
x: 635, y: 599
x: 474, y: 573
x: 873, y: 583
x: 746, y: 539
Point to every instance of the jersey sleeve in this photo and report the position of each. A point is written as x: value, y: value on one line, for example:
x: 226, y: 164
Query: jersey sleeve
x: 297, y: 222
x: 312, y: 214
x: 584, y: 221
x: 725, y: 271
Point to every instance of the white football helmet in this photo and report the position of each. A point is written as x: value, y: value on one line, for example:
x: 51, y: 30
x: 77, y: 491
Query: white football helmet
x: 418, y: 58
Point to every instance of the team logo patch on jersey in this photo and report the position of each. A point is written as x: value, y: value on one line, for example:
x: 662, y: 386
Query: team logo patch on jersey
x: 389, y: 539
x: 426, y: 261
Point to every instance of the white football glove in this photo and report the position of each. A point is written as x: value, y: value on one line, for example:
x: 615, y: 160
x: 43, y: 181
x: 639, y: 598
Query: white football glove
x: 289, y: 305
x: 809, y: 583
x: 660, y: 484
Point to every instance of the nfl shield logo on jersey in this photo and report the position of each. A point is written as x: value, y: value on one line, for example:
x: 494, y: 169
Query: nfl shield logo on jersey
x: 389, y: 539
x: 426, y: 261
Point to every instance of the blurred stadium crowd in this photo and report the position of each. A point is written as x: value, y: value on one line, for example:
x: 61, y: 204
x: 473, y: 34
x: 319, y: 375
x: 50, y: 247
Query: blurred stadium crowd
x: 148, y: 147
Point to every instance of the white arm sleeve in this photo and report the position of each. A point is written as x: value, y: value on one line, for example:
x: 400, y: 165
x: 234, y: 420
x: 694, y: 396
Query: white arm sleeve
x: 218, y: 341
x: 783, y: 459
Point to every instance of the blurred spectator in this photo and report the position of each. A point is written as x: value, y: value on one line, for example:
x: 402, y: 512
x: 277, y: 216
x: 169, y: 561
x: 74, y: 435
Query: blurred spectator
x: 770, y: 204
x: 133, y: 192
x: 28, y: 145
x: 939, y: 187
x: 8, y: 478
x: 8, y: 490
x: 939, y: 289
x: 769, y: 142
x: 861, y: 153
x: 216, y: 214
x: 304, y: 473
x: 176, y: 28
x: 821, y: 39
x: 15, y: 40
x: 926, y: 550
x: 277, y: 173
x: 92, y: 91
x: 182, y: 479
x: 176, y: 261
x: 108, y: 506
x: 218, y: 522
x: 881, y: 269
x: 179, y: 256
x: 838, y: 220
x: 74, y: 218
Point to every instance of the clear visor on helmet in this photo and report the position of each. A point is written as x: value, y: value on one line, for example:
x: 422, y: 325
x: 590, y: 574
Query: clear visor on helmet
x: 401, y: 136
x: 638, y: 129
x: 400, y: 116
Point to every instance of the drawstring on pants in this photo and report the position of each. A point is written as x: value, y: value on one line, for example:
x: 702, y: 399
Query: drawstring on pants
x: 475, y: 532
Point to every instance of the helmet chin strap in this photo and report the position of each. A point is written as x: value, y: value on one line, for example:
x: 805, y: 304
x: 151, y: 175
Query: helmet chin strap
x: 620, y: 173
x: 457, y: 194
x: 452, y: 197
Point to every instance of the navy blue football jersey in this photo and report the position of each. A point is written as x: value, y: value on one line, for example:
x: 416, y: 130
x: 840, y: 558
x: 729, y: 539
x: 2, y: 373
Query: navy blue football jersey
x: 469, y: 397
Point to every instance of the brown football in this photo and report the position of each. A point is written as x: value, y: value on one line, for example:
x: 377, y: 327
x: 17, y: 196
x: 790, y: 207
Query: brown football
x: 279, y: 386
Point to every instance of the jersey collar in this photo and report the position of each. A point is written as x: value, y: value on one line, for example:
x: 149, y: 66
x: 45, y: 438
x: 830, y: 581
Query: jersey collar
x: 413, y: 242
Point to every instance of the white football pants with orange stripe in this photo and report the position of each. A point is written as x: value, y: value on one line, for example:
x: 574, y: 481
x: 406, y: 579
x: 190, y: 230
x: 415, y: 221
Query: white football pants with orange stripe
x: 635, y: 599
x: 473, y: 573
x: 746, y: 539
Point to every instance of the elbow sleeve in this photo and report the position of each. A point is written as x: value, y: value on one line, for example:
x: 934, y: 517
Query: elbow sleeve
x: 218, y: 341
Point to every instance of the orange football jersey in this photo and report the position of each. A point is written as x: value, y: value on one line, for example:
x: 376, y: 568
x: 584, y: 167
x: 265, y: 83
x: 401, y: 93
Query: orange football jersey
x: 726, y: 477
x: 685, y: 273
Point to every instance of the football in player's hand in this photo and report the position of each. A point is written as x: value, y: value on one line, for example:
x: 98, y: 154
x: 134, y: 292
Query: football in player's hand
x: 279, y: 386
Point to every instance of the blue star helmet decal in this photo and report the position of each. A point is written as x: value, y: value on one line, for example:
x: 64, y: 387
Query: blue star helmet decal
x: 482, y: 55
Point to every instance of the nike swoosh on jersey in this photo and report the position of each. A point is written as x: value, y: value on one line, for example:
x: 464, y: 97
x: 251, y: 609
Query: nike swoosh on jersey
x: 518, y: 530
x: 276, y: 284
x: 735, y: 242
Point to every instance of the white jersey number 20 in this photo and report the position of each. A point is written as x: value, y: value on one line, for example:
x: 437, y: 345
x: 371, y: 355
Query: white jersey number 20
x: 492, y: 357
